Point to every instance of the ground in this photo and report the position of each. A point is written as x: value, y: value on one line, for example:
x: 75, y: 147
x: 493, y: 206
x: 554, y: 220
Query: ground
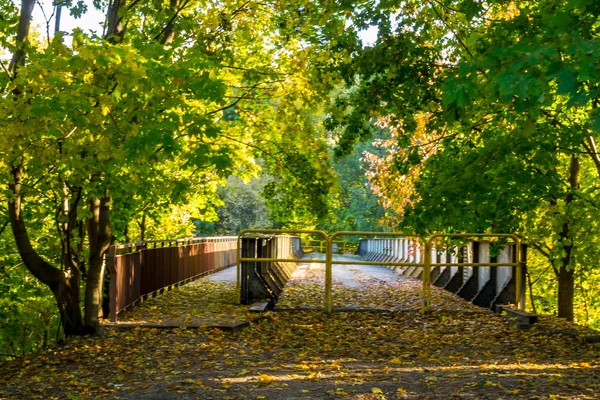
x: 395, y: 353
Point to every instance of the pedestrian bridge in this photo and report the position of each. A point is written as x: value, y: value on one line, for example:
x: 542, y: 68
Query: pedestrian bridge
x: 301, y: 269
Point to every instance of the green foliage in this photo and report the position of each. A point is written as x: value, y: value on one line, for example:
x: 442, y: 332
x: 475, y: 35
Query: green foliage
x: 353, y: 206
x: 244, y: 208
x: 510, y: 98
x: 28, y: 316
x: 156, y: 116
x: 545, y: 293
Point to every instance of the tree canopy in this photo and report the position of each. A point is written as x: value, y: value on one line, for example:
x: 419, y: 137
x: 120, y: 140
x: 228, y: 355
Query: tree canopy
x: 492, y: 109
x: 462, y: 116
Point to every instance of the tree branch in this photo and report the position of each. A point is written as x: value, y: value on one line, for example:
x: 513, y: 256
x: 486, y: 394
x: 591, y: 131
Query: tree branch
x: 6, y: 70
x: 460, y: 41
x: 590, y: 147
x: 18, y: 57
x: 168, y: 28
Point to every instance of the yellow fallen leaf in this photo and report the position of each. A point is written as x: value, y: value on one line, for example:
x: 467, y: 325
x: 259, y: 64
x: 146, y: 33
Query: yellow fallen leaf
x: 265, y: 377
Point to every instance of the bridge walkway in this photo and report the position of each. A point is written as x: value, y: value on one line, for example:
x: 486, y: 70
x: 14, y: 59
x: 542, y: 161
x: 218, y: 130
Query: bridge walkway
x: 361, y: 287
x: 212, y: 300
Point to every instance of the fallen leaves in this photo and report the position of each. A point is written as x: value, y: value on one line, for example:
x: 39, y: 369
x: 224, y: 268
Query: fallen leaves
x: 308, y: 354
x: 180, y: 306
x: 363, y: 288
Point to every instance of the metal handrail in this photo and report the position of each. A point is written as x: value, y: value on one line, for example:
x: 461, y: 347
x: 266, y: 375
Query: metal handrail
x: 426, y: 243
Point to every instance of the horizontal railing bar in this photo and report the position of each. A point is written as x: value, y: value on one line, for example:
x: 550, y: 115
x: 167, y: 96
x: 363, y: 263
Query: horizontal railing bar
x: 373, y: 235
x: 408, y: 264
x: 297, y: 260
x: 400, y: 264
x: 280, y: 231
x: 397, y: 264
x: 450, y: 264
x: 179, y: 242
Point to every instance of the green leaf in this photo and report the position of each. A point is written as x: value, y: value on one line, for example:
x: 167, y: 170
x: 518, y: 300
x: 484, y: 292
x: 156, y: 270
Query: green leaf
x: 567, y: 82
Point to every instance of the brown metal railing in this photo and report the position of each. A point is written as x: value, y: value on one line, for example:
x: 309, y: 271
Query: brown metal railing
x: 138, y: 270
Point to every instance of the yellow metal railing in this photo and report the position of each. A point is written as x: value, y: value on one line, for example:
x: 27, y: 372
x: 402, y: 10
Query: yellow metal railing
x: 270, y: 231
x: 321, y: 245
x: 426, y: 245
x: 329, y: 264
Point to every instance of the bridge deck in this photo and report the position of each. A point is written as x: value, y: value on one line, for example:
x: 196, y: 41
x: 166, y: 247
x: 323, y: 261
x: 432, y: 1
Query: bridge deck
x: 368, y: 287
x: 205, y: 302
x: 212, y: 300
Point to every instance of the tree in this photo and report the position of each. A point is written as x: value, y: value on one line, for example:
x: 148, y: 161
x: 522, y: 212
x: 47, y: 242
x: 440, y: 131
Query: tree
x: 244, y: 206
x: 510, y: 95
x: 105, y: 121
x: 353, y: 206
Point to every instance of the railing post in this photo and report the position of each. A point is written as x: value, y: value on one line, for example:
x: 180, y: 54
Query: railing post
x: 328, y: 275
x: 111, y: 264
x: 523, y: 275
x: 520, y: 298
x: 426, y: 277
x: 238, y: 266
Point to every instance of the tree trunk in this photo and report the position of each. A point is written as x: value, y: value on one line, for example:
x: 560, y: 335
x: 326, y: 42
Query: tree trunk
x: 64, y: 284
x: 68, y: 300
x: 169, y: 29
x: 126, y: 234
x: 142, y: 225
x: 99, y: 236
x: 115, y: 29
x: 566, y: 292
x: 565, y: 274
x: 18, y: 57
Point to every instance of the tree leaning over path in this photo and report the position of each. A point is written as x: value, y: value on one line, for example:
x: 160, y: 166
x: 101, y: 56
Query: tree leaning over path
x: 168, y: 101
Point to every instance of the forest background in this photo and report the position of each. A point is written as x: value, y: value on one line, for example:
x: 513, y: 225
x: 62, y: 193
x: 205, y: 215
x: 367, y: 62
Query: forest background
x: 187, y: 118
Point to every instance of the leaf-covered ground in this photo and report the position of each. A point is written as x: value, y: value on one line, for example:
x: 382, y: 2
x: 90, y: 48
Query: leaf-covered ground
x: 203, y: 303
x: 363, y: 287
x: 306, y: 354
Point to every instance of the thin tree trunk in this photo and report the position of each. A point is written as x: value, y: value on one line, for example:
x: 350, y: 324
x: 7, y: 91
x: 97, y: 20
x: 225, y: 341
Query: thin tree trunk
x: 126, y: 234
x: 18, y: 57
x: 143, y: 227
x: 64, y: 285
x: 99, y: 236
x: 169, y: 30
x: 115, y: 29
x: 565, y: 274
x: 59, y: 6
